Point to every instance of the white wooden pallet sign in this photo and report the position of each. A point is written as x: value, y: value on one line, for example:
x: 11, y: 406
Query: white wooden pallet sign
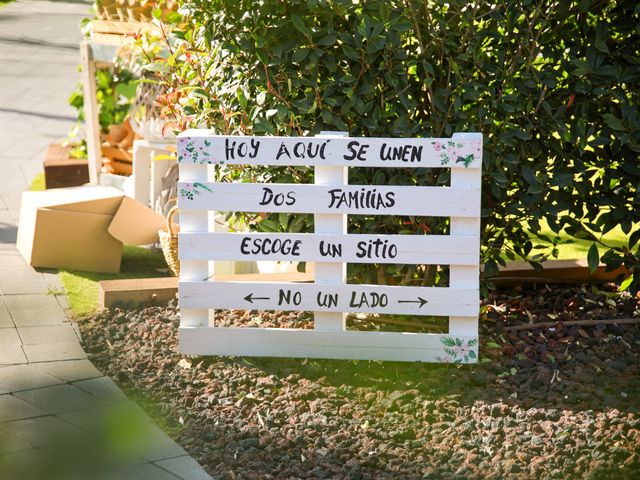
x: 308, y: 247
x: 331, y: 200
x: 329, y: 298
x: 353, y: 199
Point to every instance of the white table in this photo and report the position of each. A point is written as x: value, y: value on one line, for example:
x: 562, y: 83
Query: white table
x: 148, y: 170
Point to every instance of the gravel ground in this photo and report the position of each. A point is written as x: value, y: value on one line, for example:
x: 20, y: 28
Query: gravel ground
x: 560, y: 402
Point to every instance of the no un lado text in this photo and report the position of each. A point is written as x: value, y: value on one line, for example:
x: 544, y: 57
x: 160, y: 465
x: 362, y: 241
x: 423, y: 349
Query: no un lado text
x: 357, y: 300
x: 356, y: 151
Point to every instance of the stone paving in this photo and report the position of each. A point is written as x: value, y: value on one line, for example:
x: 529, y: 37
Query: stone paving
x: 59, y: 416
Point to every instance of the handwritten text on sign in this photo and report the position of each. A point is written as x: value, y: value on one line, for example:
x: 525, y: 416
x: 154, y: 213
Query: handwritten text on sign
x: 330, y: 198
x: 349, y: 199
x: 364, y: 152
x: 306, y: 247
x: 330, y: 298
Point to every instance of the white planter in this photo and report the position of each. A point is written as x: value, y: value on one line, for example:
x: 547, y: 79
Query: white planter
x: 277, y: 267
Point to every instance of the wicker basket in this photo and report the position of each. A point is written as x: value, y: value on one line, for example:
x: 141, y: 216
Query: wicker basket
x: 169, y: 243
x: 145, y: 114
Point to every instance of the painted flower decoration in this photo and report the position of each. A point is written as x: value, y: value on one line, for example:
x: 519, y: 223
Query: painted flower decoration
x: 191, y: 190
x: 452, y: 151
x: 194, y: 150
x: 458, y: 350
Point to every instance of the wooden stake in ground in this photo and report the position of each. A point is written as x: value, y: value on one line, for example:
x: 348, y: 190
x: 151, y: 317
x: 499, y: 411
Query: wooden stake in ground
x: 582, y: 323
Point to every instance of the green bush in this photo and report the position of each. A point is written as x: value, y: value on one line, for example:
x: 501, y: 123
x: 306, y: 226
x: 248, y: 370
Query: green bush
x: 115, y: 90
x: 553, y: 86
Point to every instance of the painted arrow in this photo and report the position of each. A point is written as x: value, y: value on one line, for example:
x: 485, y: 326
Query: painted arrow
x: 420, y: 300
x: 250, y: 298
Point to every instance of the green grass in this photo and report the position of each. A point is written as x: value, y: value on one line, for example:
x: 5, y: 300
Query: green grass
x: 5, y: 2
x: 578, y: 248
x: 38, y: 181
x: 81, y: 288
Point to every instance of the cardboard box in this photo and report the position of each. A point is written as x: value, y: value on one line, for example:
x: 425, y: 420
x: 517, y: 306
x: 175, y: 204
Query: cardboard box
x: 83, y: 228
x: 62, y: 171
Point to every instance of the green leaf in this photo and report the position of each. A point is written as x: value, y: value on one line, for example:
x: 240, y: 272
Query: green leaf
x: 626, y: 283
x: 613, y: 122
x: 521, y: 134
x: 601, y: 46
x: 490, y: 269
x: 126, y: 89
x: 299, y: 54
x: 327, y: 40
x: 593, y: 258
x: 203, y: 186
x: 268, y: 225
x: 448, y: 341
x: 529, y: 176
x: 298, y: 23
x: 633, y: 238
x: 283, y: 218
x: 350, y: 52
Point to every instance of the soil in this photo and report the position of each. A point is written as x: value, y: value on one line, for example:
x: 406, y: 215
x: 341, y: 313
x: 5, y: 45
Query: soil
x: 559, y: 402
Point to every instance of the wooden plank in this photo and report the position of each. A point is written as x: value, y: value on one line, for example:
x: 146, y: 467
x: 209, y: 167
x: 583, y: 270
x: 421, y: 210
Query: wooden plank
x: 142, y: 172
x: 117, y: 153
x: 351, y: 199
x: 121, y: 167
x: 329, y: 298
x: 273, y: 342
x: 92, y: 124
x: 123, y: 28
x: 330, y: 273
x: 193, y: 221
x: 62, y: 171
x: 114, y: 40
x: 197, y: 146
x: 105, y: 50
x: 397, y: 249
x: 136, y: 290
x: 466, y: 276
x: 557, y: 271
x: 163, y: 289
x: 57, y: 154
x: 143, y: 290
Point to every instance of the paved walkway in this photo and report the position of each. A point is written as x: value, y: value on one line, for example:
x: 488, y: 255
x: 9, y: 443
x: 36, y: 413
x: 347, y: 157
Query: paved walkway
x: 59, y: 416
